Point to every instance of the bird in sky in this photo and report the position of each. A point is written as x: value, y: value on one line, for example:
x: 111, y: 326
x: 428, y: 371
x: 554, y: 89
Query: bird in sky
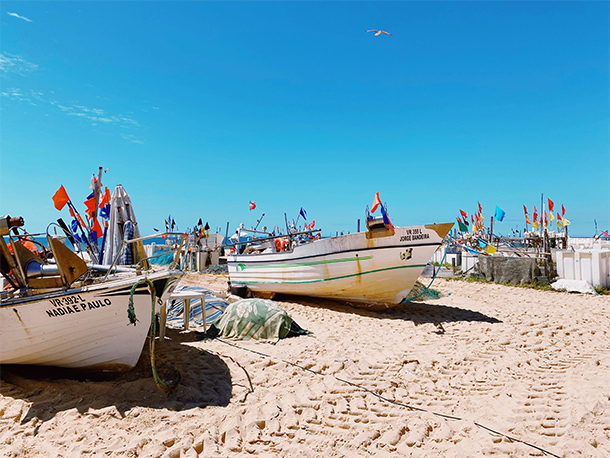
x: 379, y: 32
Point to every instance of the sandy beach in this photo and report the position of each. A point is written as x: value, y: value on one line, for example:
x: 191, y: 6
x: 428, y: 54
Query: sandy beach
x: 485, y: 370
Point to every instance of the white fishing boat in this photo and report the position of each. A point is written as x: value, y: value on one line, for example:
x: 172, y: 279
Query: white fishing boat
x: 374, y: 269
x: 66, y: 312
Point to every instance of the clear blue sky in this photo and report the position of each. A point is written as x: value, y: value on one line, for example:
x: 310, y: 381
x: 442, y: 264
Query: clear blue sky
x: 197, y: 108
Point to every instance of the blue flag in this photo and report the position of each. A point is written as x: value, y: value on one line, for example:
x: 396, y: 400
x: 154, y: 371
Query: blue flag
x: 386, y: 219
x: 105, y: 212
x: 470, y: 250
x: 303, y: 213
x: 499, y: 214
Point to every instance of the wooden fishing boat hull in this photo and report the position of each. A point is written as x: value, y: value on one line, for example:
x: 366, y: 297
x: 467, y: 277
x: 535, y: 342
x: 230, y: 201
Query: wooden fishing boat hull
x: 82, y: 328
x: 373, y: 272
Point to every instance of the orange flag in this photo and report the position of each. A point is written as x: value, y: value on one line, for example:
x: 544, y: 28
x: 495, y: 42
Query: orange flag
x: 97, y: 228
x: 60, y: 198
x: 105, y: 198
x: 90, y: 203
x: 252, y: 205
x: 376, y: 203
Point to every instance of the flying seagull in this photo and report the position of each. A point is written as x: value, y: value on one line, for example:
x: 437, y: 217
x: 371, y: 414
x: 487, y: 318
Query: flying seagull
x: 379, y: 32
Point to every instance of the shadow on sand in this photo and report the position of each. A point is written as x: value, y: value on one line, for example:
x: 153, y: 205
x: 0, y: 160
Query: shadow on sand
x: 205, y: 381
x: 419, y: 312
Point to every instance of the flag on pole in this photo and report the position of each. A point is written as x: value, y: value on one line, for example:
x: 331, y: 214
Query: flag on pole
x: 97, y: 229
x: 91, y: 206
x: 384, y: 215
x: 499, y: 214
x: 491, y: 249
x: 527, y: 220
x: 546, y: 220
x: 376, y: 203
x: 252, y: 205
x: 525, y: 209
x: 559, y: 222
x: 303, y: 213
x: 60, y: 198
x: 551, y: 216
x: 462, y: 226
x: 105, y: 198
x: 605, y: 234
x: 563, y: 210
x: 551, y: 205
x: 566, y: 222
x: 464, y: 215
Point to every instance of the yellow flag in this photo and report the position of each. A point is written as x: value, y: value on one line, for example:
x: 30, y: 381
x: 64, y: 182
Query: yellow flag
x: 536, y: 224
x: 490, y: 249
x: 559, y: 225
x: 551, y: 216
x: 566, y: 222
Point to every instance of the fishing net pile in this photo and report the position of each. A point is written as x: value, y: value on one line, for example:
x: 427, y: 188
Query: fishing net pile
x: 418, y: 289
x: 259, y: 319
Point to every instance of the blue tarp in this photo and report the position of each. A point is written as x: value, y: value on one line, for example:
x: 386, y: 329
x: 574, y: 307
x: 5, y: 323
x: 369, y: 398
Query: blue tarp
x: 164, y: 259
x: 214, y: 308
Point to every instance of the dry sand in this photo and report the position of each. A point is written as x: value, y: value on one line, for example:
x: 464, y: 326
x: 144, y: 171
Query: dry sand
x: 532, y: 365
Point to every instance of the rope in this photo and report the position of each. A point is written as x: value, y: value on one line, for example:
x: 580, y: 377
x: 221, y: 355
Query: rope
x: 383, y: 398
x: 409, y: 299
x: 163, y: 386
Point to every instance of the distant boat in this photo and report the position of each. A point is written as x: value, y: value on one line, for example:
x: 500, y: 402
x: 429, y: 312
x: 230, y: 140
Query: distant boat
x: 64, y: 312
x: 375, y: 269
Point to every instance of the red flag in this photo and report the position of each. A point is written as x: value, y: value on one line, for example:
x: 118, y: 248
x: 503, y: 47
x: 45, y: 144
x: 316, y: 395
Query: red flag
x: 60, y: 198
x: 558, y: 217
x: 605, y: 233
x: 525, y: 209
x: 480, y: 208
x: 313, y: 223
x: 535, y: 213
x: 105, y: 199
x: 97, y: 229
x: 527, y: 219
x: 465, y: 216
x: 252, y: 205
x: 376, y: 203
x: 90, y: 203
x: 72, y: 212
x: 551, y: 205
x: 563, y: 210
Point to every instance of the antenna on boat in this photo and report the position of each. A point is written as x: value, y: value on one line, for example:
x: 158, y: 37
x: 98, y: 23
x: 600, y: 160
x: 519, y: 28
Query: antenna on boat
x: 259, y: 221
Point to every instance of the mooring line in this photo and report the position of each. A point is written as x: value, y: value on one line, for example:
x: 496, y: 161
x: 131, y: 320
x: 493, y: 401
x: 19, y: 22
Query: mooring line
x: 383, y: 398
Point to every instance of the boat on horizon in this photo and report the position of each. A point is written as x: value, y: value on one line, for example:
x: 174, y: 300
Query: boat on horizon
x: 375, y: 269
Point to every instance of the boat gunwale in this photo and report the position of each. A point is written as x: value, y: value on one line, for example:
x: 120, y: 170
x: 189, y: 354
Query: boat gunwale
x: 110, y: 285
x: 252, y: 256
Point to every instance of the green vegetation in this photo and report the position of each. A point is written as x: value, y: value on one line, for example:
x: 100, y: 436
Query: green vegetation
x: 534, y: 285
x: 602, y: 290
